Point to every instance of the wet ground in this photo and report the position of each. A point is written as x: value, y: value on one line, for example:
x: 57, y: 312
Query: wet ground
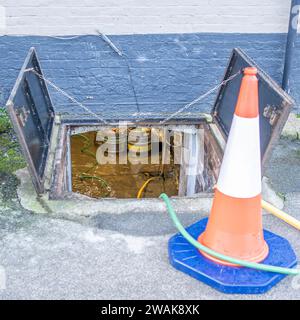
x: 120, y: 257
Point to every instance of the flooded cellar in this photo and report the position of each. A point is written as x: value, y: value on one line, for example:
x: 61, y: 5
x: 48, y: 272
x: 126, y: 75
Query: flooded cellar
x: 142, y: 162
x: 118, y: 178
x: 132, y: 158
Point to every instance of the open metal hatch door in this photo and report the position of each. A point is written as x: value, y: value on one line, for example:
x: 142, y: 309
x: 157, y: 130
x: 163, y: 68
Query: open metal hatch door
x: 32, y: 115
x: 274, y: 103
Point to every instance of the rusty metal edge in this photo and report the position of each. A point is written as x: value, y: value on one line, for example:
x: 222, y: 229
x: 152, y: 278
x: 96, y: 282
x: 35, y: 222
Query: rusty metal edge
x: 57, y: 184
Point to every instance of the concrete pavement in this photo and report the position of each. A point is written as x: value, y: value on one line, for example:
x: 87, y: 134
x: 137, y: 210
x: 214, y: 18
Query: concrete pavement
x: 121, y: 257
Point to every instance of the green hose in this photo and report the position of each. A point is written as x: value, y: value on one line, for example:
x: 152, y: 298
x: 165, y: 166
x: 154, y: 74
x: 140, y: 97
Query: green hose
x: 198, y: 245
x: 83, y: 176
x: 101, y: 180
x: 86, y: 146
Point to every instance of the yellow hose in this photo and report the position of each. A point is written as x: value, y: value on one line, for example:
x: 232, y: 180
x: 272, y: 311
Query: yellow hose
x: 281, y: 214
x: 139, y: 195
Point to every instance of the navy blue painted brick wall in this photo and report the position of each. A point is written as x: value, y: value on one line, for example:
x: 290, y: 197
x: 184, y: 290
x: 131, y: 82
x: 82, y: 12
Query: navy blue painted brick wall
x: 167, y: 70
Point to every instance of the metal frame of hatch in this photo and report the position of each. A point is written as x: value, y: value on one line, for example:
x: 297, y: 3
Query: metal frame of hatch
x: 60, y: 185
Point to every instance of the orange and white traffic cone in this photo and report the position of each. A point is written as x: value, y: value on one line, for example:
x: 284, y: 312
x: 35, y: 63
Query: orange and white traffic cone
x: 234, y: 227
x: 235, y: 223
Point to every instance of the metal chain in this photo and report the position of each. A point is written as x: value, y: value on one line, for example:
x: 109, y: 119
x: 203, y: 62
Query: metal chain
x: 199, y: 98
x: 185, y: 107
x: 64, y: 93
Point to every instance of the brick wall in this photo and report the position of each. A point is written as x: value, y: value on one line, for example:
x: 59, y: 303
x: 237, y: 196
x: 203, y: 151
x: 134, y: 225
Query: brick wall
x: 178, y: 53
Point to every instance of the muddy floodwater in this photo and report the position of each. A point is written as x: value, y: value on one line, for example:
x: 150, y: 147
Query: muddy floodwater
x: 118, y: 180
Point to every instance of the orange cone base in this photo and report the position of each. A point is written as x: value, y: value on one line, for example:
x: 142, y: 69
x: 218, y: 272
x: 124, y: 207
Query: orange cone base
x: 259, y: 258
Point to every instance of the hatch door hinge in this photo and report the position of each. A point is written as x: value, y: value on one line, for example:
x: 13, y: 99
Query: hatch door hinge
x: 272, y: 113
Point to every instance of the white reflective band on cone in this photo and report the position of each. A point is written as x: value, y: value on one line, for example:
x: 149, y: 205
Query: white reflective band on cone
x: 240, y: 173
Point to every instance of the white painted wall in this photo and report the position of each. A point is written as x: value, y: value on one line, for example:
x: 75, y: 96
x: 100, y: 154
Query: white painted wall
x: 67, y: 17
